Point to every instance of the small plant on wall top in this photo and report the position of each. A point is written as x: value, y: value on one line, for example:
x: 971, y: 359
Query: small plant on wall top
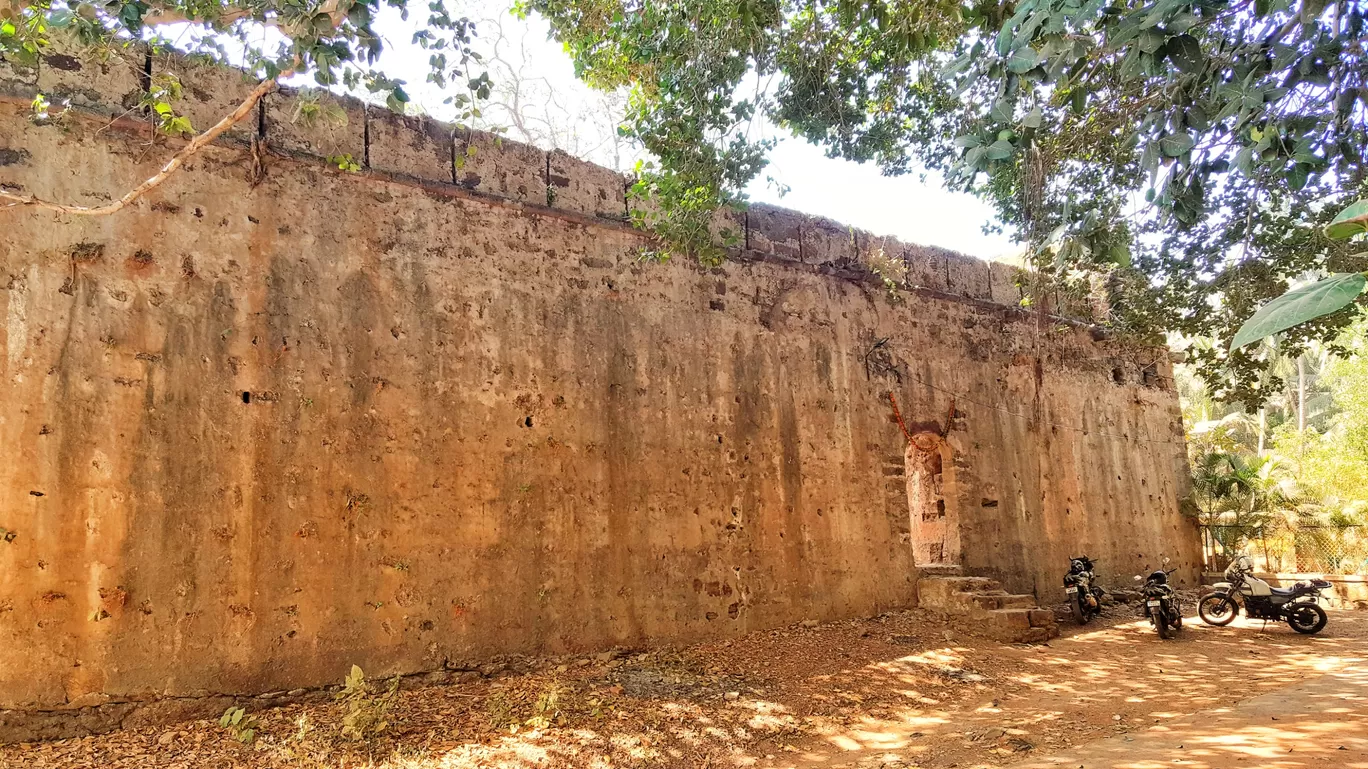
x: 365, y: 710
x: 1317, y: 299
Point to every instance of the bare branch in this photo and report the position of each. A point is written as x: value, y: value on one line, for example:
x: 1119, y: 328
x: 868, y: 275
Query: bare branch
x: 191, y: 147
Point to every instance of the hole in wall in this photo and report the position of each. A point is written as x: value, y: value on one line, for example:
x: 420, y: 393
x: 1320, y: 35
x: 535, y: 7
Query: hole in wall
x: 246, y: 396
x: 527, y: 421
x: 1118, y: 376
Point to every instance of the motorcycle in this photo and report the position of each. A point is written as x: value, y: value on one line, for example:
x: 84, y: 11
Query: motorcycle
x: 1085, y: 596
x: 1297, y: 605
x: 1161, y: 602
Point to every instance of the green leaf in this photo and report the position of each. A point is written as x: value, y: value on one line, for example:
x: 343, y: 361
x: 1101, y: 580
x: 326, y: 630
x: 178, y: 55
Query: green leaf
x: 1120, y: 255
x: 1296, y: 178
x: 1004, y: 41
x: 1185, y: 53
x: 1300, y: 305
x: 396, y: 100
x: 1151, y: 41
x: 1033, y: 118
x: 1023, y: 61
x: 1196, y: 117
x: 1350, y: 222
x: 1174, y: 145
x: 1000, y: 150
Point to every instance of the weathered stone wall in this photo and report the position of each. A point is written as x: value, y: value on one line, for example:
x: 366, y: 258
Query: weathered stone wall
x: 277, y: 418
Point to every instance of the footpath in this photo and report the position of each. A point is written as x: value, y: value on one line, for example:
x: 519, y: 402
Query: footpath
x: 1322, y: 722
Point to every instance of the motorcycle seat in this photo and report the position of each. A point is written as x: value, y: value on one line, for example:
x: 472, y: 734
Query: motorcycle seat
x: 1283, y: 590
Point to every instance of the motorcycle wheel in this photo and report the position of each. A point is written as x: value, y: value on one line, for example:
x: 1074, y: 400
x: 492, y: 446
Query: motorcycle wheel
x: 1217, y: 609
x: 1306, y: 618
x: 1161, y: 624
x: 1081, y: 609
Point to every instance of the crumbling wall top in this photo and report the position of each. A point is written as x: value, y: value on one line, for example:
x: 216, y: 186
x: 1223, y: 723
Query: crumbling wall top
x: 352, y: 134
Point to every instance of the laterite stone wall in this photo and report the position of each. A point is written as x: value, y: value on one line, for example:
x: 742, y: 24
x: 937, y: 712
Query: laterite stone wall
x: 276, y: 418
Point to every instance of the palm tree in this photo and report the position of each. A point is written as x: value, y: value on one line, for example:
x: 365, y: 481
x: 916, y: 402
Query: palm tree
x: 1238, y: 497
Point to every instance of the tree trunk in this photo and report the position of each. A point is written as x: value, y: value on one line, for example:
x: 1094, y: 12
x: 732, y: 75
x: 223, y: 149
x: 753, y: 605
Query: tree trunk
x: 1301, y: 394
x: 1263, y: 423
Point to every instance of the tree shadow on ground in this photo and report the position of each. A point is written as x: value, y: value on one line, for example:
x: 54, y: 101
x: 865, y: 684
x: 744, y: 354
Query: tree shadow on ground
x: 896, y: 691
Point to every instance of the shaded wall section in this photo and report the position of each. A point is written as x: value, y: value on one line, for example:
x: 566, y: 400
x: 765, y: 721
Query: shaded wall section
x: 260, y: 427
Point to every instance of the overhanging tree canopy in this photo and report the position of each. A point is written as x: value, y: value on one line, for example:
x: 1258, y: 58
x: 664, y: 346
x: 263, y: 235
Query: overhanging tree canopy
x: 333, y: 40
x: 1193, y: 149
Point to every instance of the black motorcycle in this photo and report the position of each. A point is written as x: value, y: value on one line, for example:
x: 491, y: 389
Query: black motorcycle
x: 1161, y: 603
x: 1297, y: 605
x: 1079, y: 585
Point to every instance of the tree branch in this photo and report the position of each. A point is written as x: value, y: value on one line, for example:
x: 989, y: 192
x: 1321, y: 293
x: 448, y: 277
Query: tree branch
x: 193, y: 146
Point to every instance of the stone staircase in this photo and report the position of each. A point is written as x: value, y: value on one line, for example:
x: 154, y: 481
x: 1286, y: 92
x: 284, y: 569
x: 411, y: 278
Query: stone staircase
x: 994, y: 612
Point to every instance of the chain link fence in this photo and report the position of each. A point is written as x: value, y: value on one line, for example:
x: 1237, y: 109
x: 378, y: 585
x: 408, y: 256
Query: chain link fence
x: 1283, y: 548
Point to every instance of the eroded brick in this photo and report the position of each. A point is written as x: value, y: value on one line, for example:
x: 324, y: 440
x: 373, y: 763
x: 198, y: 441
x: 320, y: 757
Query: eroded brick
x: 318, y: 124
x: 967, y: 276
x: 926, y: 268
x: 491, y: 164
x: 209, y: 94
x: 773, y: 230
x: 410, y: 145
x: 1002, y: 279
x: 828, y: 242
x: 17, y: 80
x: 109, y: 84
x: 578, y: 185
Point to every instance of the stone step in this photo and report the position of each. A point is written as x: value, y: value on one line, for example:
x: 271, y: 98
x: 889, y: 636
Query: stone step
x: 999, y: 599
x: 972, y: 584
x: 1019, y: 602
x: 940, y: 570
x: 983, y: 601
x: 1019, y: 625
x: 942, y: 593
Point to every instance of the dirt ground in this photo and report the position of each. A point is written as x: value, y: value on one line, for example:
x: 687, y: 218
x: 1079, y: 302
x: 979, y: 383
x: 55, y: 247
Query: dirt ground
x: 902, y: 690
